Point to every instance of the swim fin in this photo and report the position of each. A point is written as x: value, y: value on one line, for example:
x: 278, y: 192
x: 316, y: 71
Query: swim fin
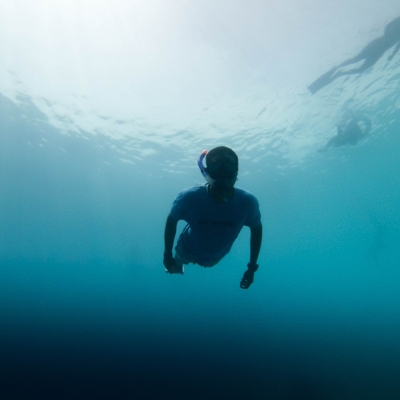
x: 322, y: 81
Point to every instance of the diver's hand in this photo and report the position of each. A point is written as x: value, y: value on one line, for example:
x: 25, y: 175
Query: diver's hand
x: 248, y: 276
x: 247, y: 280
x: 169, y: 263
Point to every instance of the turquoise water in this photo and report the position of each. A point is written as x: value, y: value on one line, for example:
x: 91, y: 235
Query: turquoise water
x: 87, y: 311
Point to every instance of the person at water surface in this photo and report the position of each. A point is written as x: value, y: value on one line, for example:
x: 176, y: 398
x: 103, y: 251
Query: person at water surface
x: 215, y: 213
x: 371, y: 53
x: 350, y: 131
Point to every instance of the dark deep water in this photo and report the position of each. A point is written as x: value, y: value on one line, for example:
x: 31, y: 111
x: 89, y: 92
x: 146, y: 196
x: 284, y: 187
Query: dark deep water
x: 88, y: 312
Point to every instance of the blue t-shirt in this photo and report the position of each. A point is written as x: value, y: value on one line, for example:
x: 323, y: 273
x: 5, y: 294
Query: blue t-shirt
x: 212, y: 227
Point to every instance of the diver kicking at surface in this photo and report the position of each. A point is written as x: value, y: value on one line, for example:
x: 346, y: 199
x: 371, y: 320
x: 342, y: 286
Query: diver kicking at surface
x: 371, y: 53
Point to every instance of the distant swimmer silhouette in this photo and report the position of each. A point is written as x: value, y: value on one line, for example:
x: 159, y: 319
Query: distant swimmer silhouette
x: 350, y: 132
x: 371, y: 53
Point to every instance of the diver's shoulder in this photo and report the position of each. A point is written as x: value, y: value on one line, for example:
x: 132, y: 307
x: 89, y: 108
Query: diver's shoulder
x: 195, y: 190
x: 245, y: 194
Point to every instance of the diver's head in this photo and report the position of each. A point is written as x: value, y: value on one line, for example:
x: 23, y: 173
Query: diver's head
x: 222, y: 163
x: 222, y: 168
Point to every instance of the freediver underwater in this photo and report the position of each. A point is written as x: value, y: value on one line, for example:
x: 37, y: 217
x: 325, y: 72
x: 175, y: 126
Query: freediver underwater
x: 371, y: 53
x: 350, y: 131
x: 215, y: 213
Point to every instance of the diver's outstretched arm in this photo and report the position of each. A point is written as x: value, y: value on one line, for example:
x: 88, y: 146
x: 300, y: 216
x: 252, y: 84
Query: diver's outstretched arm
x: 252, y: 266
x: 169, y: 236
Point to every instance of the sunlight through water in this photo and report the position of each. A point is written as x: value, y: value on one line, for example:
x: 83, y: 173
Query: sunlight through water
x: 145, y: 71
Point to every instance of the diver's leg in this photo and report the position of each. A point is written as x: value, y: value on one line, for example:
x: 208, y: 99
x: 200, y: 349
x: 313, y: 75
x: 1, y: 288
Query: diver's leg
x: 368, y: 63
x: 370, y: 53
x: 359, y: 57
x: 332, y: 74
x: 396, y: 49
x: 210, y: 263
x: 322, y: 81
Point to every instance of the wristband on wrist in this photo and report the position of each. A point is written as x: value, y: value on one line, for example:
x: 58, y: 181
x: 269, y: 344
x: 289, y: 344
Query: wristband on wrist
x: 252, y: 267
x: 168, y: 255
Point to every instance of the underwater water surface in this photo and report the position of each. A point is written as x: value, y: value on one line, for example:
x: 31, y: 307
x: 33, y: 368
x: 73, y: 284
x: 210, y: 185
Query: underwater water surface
x: 104, y: 110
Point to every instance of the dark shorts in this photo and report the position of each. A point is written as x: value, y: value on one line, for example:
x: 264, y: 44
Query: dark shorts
x: 183, y: 257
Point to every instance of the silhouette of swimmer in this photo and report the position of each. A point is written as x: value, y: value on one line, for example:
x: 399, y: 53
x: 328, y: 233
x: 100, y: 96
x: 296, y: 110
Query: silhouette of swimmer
x: 351, y: 132
x: 371, y: 53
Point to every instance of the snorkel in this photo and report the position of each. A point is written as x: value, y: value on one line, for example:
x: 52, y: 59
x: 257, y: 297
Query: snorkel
x: 203, y: 171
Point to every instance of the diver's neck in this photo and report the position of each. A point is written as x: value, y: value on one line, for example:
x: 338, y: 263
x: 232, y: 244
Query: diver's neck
x: 218, y: 196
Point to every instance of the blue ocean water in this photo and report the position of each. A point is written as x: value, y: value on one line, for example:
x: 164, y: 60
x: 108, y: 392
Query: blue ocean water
x: 87, y: 311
